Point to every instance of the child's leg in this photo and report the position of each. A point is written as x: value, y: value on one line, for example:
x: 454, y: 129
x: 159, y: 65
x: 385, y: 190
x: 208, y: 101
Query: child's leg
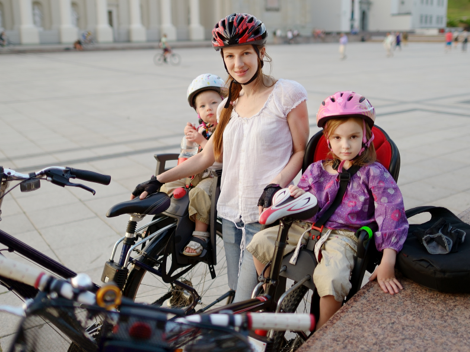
x: 332, y: 273
x: 199, y: 212
x: 328, y: 306
x: 169, y: 187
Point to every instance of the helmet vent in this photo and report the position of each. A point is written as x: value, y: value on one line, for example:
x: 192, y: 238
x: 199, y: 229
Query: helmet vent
x: 341, y: 94
x: 362, y: 99
x: 350, y: 98
x: 332, y: 99
x: 323, y: 103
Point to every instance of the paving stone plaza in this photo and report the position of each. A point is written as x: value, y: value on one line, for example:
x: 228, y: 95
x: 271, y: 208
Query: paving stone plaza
x: 112, y: 111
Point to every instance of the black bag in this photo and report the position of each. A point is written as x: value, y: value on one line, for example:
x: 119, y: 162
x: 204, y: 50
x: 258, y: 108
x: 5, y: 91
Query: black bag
x: 443, y: 272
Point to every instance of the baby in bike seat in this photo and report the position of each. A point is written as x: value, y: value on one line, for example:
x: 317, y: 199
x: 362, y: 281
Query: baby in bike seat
x: 205, y: 93
x: 372, y: 196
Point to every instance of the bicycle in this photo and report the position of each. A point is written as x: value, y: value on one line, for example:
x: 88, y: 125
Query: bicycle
x: 67, y: 316
x: 170, y: 57
x: 152, y: 259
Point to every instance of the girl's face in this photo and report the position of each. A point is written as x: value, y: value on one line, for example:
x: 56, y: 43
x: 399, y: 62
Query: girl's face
x: 346, y: 140
x: 206, y: 106
x: 242, y: 62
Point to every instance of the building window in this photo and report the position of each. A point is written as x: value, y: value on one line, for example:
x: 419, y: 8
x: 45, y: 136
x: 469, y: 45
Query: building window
x: 421, y: 19
x: 273, y: 5
x: 431, y: 2
x: 430, y: 19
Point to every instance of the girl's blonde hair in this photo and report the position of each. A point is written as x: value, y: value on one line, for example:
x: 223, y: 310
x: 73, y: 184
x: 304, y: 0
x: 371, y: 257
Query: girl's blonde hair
x: 368, y: 156
x: 226, y: 113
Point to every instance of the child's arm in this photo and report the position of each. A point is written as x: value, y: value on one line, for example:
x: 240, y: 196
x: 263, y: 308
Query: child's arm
x: 385, y: 273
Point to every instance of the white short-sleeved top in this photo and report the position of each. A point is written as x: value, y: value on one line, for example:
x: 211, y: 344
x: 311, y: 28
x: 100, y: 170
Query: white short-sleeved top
x: 255, y: 150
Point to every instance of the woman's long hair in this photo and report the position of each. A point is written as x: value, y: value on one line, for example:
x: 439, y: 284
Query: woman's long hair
x: 226, y: 113
x: 368, y: 156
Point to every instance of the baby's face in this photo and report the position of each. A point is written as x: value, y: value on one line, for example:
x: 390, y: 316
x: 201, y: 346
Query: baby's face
x: 206, y: 106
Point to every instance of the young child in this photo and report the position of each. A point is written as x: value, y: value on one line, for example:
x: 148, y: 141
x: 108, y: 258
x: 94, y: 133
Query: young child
x: 371, y: 196
x: 204, y: 95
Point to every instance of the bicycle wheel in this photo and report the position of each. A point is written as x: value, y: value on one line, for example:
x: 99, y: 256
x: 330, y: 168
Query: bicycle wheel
x: 146, y: 287
x: 296, y: 301
x: 158, y: 59
x: 175, y: 59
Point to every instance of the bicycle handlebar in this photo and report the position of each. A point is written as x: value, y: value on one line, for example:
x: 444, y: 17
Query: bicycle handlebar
x: 90, y: 176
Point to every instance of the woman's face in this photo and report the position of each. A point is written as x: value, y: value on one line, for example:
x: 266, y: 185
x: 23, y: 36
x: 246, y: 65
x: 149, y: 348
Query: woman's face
x: 346, y: 140
x: 242, y: 62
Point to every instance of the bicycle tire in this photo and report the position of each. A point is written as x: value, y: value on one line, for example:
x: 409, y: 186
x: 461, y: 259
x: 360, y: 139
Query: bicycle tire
x: 289, y: 305
x: 175, y: 59
x: 158, y: 59
x: 146, y: 287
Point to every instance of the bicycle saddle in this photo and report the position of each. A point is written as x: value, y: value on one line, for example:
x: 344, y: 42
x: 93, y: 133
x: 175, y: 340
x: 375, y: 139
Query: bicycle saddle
x: 153, y: 204
x: 300, y: 208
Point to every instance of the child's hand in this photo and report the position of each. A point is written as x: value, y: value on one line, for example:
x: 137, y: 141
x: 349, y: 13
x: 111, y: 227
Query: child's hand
x: 385, y: 273
x: 188, y: 128
x: 195, y: 136
x: 295, y: 191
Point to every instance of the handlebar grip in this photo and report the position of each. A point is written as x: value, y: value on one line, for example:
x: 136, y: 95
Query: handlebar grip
x: 90, y: 176
x: 281, y: 321
x: 21, y: 272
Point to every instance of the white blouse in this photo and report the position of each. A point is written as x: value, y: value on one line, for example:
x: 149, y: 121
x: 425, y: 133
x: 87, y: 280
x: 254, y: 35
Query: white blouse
x: 255, y: 150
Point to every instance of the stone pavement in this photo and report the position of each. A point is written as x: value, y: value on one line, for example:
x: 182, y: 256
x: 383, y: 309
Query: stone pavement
x: 112, y: 111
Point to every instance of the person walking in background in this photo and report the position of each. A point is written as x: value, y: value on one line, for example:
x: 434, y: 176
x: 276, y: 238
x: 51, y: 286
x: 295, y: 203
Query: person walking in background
x: 388, y: 44
x: 456, y: 39
x: 398, y: 41
x: 405, y: 38
x: 448, y: 41
x: 464, y: 40
x: 343, y: 40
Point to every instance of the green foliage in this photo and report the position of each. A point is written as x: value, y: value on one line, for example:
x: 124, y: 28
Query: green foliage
x: 458, y: 11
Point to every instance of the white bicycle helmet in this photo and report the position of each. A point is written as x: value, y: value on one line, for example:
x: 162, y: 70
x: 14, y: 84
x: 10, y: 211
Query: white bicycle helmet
x: 204, y: 82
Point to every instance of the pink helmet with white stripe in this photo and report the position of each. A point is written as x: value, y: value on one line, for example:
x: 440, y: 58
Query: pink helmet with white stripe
x: 345, y: 103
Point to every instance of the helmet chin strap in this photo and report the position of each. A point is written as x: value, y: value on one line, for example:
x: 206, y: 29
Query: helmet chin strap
x: 229, y: 99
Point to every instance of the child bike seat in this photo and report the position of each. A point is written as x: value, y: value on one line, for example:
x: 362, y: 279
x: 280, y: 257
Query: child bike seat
x: 300, y: 208
x: 154, y: 204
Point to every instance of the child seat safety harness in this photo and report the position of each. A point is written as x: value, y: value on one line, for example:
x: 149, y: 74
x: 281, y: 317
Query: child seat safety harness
x: 344, y: 176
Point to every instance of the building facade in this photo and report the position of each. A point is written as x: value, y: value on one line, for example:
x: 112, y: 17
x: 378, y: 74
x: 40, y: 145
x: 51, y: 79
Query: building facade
x: 63, y: 21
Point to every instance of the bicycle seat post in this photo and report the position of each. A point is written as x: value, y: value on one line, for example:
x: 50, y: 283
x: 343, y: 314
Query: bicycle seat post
x: 273, y: 282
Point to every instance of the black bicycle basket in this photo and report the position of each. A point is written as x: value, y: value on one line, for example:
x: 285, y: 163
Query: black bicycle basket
x: 61, y: 325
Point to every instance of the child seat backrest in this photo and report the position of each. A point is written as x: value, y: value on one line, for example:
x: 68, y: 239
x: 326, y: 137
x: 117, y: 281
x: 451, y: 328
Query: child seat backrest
x: 387, y: 151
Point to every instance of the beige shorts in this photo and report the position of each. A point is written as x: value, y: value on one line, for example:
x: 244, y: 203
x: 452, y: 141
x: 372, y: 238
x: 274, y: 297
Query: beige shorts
x: 331, y: 276
x: 199, y: 197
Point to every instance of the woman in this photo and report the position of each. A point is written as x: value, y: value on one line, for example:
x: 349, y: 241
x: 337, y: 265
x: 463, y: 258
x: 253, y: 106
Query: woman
x: 261, y: 138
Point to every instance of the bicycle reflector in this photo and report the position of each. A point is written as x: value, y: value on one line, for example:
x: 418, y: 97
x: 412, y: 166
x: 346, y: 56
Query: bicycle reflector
x: 108, y: 296
x: 140, y: 331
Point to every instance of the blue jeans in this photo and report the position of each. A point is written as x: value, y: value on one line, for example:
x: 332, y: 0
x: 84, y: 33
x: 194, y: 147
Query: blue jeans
x: 247, y: 280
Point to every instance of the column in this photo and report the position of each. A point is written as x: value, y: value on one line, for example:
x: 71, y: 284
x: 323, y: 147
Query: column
x: 104, y: 32
x: 28, y: 32
x: 167, y: 26
x: 68, y: 33
x: 137, y: 32
x: 196, y: 31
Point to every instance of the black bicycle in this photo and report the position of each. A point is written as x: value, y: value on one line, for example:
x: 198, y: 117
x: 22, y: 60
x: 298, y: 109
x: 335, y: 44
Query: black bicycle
x: 66, y: 316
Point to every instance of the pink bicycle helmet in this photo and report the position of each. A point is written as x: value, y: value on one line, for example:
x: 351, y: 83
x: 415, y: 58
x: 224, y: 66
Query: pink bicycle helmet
x: 347, y: 104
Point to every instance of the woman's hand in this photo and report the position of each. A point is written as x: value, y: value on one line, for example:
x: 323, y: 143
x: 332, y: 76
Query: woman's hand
x: 295, y: 191
x: 385, y: 273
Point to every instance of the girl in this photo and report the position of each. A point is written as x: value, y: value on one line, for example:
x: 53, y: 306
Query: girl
x: 261, y: 137
x: 371, y: 196
x: 204, y: 95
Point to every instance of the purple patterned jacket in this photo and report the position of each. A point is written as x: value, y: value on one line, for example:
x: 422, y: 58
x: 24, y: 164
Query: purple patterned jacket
x: 372, y: 196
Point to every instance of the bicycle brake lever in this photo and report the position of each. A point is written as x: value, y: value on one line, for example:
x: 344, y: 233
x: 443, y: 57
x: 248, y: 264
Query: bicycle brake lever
x: 86, y: 188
